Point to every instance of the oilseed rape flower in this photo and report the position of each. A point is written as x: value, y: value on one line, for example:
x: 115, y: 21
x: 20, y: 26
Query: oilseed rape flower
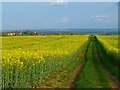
x: 27, y: 60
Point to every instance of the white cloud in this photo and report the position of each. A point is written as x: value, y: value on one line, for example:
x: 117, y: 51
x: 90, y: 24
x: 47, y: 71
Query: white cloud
x: 63, y: 20
x: 59, y: 2
x: 100, y: 18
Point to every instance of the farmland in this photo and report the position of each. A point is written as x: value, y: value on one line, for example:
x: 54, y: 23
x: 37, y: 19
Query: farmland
x: 60, y: 61
x: 28, y: 61
x: 110, y: 48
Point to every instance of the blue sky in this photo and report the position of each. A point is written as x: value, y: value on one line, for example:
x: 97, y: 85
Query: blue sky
x: 65, y: 15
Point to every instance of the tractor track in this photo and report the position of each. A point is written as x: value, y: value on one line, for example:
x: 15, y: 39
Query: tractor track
x: 114, y: 83
x: 78, y: 71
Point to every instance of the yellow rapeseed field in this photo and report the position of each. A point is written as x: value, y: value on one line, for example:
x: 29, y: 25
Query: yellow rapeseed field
x: 111, y: 44
x: 27, y: 60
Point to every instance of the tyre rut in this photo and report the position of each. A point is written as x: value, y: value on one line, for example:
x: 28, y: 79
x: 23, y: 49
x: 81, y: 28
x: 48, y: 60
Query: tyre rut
x: 114, y: 83
x: 79, y: 70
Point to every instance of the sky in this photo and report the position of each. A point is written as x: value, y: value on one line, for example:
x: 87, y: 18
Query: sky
x: 59, y: 0
x: 59, y: 15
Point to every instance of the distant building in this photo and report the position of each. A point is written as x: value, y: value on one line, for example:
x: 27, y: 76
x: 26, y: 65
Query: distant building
x: 14, y: 33
x: 10, y: 34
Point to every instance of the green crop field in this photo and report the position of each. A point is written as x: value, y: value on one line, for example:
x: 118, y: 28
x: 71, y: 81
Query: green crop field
x: 60, y: 61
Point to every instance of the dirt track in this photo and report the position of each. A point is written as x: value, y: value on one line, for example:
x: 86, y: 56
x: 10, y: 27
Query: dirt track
x: 114, y: 83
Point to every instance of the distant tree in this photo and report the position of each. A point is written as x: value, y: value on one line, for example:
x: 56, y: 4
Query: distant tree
x: 4, y: 33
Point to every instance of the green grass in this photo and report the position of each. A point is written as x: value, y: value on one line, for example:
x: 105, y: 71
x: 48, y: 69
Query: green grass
x: 92, y: 76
